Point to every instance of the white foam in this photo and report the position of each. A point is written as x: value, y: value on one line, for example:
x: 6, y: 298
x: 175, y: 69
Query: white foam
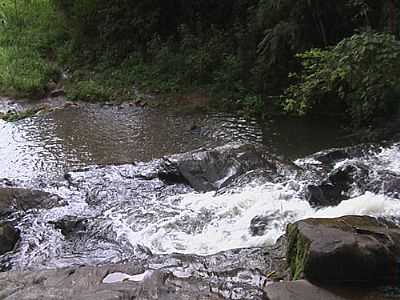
x: 229, y: 217
x: 390, y: 158
x: 120, y: 277
x: 208, y: 223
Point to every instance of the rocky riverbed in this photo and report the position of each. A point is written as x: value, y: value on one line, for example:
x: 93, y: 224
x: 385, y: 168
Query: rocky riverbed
x: 232, y: 220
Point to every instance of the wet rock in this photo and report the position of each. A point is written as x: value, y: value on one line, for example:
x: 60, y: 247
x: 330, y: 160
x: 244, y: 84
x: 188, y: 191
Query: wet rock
x: 324, y: 194
x: 304, y: 290
x: 350, y: 249
x: 234, y: 274
x: 339, y: 184
x: 334, y: 155
x: 12, y: 199
x: 350, y: 173
x: 385, y: 182
x: 259, y: 225
x: 71, y: 225
x: 206, y: 170
x: 9, y: 237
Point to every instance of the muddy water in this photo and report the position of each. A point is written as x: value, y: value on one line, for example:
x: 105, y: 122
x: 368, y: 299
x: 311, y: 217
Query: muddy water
x: 47, y: 146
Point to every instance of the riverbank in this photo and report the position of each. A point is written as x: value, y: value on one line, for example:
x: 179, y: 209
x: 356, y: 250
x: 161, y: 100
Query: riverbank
x: 245, y: 62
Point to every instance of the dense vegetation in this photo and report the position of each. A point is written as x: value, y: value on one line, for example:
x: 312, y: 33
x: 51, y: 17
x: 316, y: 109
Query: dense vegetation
x: 246, y: 53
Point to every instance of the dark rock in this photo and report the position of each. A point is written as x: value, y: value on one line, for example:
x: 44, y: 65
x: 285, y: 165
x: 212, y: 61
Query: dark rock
x: 304, y: 290
x: 334, y: 155
x: 71, y: 225
x: 260, y: 224
x: 331, y: 156
x: 337, y: 186
x: 206, y: 170
x: 324, y: 194
x: 348, y: 174
x: 12, y: 199
x: 9, y: 237
x: 351, y: 249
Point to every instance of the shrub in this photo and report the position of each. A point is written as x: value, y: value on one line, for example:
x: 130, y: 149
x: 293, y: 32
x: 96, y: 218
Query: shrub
x: 362, y: 73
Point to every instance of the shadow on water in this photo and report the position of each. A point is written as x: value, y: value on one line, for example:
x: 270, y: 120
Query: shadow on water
x: 294, y: 138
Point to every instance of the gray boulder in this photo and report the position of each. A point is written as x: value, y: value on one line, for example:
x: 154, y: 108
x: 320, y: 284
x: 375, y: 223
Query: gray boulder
x: 304, y: 290
x: 211, y: 169
x: 350, y: 249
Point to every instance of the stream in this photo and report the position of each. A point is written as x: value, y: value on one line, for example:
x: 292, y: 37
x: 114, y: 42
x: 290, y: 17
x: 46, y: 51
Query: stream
x: 105, y: 161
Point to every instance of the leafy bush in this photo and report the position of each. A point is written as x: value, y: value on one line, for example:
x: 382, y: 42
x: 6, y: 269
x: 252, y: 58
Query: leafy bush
x: 362, y: 73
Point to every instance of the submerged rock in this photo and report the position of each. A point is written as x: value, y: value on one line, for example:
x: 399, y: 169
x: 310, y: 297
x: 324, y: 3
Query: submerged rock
x: 71, y: 225
x: 352, y: 178
x: 334, y: 155
x: 351, y: 249
x: 9, y: 237
x: 338, y: 184
x: 12, y: 199
x: 324, y: 194
x: 207, y: 170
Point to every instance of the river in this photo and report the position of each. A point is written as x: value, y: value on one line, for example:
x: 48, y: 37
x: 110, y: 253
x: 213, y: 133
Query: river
x: 107, y: 152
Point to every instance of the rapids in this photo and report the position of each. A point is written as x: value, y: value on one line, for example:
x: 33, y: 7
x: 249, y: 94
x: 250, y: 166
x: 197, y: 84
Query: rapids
x: 102, y: 160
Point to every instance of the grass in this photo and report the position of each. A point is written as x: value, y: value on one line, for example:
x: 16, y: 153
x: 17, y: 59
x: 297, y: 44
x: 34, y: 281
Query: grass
x: 35, y: 45
x: 29, y: 33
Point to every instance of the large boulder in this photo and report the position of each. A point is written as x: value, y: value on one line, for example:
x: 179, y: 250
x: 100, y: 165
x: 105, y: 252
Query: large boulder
x: 211, y: 169
x: 304, y: 290
x: 9, y: 237
x: 234, y: 274
x: 350, y: 249
x: 12, y: 199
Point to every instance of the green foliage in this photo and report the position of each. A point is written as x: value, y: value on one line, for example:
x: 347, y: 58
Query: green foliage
x: 294, y: 26
x: 241, y: 51
x: 361, y: 72
x: 89, y: 90
x: 29, y: 33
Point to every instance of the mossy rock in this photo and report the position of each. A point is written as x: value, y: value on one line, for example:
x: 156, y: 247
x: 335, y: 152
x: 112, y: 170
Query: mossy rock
x: 298, y: 251
x: 350, y: 249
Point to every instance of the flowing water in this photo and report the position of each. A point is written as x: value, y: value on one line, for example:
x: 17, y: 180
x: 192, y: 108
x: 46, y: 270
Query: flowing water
x: 108, y: 154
